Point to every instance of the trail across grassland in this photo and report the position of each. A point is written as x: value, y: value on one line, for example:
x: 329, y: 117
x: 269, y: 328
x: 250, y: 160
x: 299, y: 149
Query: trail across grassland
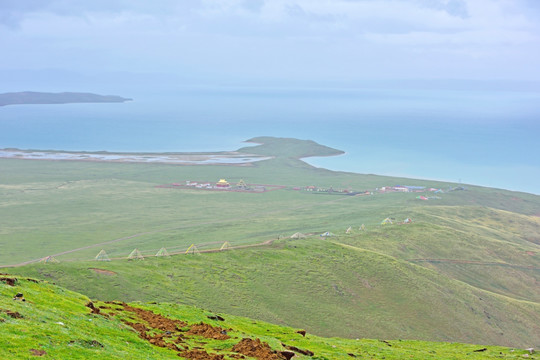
x: 471, y: 262
x: 252, y: 215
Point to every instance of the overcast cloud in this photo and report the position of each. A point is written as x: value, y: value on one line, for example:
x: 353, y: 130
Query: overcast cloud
x: 279, y: 39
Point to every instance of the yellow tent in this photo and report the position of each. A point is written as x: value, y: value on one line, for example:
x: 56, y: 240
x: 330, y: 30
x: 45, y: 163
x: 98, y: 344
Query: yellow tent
x: 222, y: 183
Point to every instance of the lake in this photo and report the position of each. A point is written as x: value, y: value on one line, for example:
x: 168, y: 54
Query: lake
x: 477, y: 137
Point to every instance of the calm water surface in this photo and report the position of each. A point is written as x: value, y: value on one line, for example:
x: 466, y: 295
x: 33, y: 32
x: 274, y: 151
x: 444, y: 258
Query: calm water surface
x: 484, y: 138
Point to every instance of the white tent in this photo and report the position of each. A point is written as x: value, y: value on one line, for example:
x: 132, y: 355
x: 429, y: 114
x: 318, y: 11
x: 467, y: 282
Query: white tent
x: 298, y: 235
x: 193, y: 250
x: 49, y: 260
x: 102, y: 256
x: 135, y: 254
x: 162, y: 252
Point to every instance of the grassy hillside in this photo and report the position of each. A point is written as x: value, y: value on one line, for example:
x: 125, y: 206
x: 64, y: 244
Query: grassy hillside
x: 467, y: 268
x: 59, y: 324
x: 326, y: 286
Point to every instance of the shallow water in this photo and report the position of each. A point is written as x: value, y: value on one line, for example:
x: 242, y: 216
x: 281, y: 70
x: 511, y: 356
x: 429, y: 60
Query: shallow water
x: 167, y: 159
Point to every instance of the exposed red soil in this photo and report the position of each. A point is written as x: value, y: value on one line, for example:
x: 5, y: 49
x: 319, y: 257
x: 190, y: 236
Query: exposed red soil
x: 161, y: 331
x: 36, y: 352
x: 93, y: 309
x: 12, y: 314
x: 301, y: 332
x: 208, y: 331
x: 167, y: 329
x: 200, y: 355
x: 156, y: 321
x: 9, y: 280
x: 297, y: 350
x: 257, y: 349
x: 103, y: 271
x: 140, y: 328
x: 288, y: 355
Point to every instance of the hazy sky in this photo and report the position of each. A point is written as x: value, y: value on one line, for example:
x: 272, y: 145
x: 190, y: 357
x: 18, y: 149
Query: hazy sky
x: 277, y: 39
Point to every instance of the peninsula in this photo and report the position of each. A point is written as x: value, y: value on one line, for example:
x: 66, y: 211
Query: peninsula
x: 31, y: 97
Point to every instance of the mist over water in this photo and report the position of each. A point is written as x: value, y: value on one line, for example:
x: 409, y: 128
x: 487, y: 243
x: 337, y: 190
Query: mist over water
x: 479, y: 137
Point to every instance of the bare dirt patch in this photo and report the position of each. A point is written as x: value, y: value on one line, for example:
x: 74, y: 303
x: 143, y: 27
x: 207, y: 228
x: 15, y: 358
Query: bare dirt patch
x: 92, y: 308
x: 12, y: 314
x: 257, y: 349
x: 180, y: 337
x: 156, y: 321
x: 103, y: 271
x: 197, y: 354
x: 37, y: 352
x: 298, y: 350
x: 9, y: 280
x: 158, y: 330
x: 208, y: 331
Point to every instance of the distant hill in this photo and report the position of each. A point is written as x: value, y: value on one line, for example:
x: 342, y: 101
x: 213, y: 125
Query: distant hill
x: 288, y: 148
x: 31, y: 97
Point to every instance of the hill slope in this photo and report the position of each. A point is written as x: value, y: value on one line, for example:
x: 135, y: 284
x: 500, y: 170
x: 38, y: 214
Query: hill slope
x: 466, y: 269
x: 326, y: 286
x: 57, y: 323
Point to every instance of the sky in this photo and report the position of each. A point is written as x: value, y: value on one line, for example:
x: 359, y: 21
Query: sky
x: 276, y: 40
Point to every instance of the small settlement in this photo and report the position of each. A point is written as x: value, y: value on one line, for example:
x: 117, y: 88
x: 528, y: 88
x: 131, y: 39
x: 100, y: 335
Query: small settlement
x: 332, y: 191
x: 242, y: 186
x: 407, y: 188
x: 224, y: 185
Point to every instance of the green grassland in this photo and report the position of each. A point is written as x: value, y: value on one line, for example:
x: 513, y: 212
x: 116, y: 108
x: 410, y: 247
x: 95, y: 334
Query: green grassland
x: 55, y: 323
x: 467, y: 269
x: 326, y: 286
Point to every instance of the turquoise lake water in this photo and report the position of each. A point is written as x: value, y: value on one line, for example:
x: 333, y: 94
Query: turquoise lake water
x: 489, y: 138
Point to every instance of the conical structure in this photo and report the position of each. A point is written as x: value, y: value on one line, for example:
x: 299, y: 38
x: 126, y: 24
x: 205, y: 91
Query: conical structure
x: 363, y: 227
x: 226, y: 245
x: 193, y: 250
x: 102, y: 256
x: 298, y: 235
x: 162, y: 252
x: 242, y: 184
x: 349, y: 230
x: 386, y: 221
x: 135, y: 255
x: 49, y: 260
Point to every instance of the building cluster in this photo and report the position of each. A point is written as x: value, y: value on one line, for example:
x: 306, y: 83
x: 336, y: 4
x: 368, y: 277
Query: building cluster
x: 407, y: 188
x: 223, y: 184
x: 331, y: 190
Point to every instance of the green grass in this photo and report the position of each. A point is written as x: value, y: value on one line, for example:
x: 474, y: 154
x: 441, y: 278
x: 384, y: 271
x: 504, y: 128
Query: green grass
x: 56, y: 321
x: 372, y: 281
x: 326, y: 286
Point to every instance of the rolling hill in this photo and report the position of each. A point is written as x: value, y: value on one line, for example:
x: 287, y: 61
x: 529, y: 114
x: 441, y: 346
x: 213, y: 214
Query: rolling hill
x: 466, y: 269
x: 53, y: 322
